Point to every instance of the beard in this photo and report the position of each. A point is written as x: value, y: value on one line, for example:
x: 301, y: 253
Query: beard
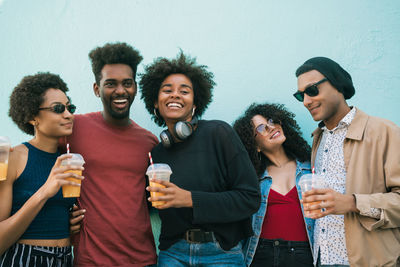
x: 119, y: 113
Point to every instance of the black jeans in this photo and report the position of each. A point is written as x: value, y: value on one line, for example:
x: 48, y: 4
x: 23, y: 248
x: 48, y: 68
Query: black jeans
x: 279, y: 252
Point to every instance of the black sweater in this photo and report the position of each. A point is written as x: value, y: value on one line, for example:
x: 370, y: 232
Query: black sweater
x: 214, y: 165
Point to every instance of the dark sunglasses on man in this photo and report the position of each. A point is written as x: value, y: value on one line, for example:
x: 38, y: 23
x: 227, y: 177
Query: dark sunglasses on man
x: 60, y: 108
x: 311, y: 90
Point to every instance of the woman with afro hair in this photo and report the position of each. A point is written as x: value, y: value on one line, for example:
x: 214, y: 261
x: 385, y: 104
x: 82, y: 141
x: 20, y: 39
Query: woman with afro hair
x: 213, y: 189
x: 34, y: 216
x: 280, y: 157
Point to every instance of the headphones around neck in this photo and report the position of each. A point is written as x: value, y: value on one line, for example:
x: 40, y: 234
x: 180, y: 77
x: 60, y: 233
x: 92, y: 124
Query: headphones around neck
x: 182, y: 130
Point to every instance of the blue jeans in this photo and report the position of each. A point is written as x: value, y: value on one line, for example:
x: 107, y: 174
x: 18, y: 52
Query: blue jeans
x: 183, y: 253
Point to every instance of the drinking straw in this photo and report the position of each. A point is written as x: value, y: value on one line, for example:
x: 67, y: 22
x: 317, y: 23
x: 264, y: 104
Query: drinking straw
x: 152, y: 165
x: 312, y: 176
x: 68, y: 160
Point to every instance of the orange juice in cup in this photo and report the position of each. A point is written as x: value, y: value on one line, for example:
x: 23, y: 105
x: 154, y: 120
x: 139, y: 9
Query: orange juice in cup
x: 3, y: 171
x: 156, y: 194
x: 160, y: 171
x: 71, y: 190
x: 5, y: 145
x: 311, y: 181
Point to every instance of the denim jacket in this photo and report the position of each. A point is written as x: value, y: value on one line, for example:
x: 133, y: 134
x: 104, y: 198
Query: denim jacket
x: 250, y: 245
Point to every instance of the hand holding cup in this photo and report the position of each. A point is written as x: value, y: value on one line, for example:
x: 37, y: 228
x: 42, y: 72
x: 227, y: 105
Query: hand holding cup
x: 308, y: 182
x: 76, y: 160
x: 159, y: 171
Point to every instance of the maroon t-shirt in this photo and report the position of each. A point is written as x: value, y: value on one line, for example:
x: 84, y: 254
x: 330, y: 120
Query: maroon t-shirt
x: 116, y: 229
x: 284, y: 219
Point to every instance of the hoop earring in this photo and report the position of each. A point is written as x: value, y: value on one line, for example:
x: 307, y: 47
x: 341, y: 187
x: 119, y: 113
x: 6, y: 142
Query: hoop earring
x: 155, y: 112
x: 193, y: 111
x: 259, y: 155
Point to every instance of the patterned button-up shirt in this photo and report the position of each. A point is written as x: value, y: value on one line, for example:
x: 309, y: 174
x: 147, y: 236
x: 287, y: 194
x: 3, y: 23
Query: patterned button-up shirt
x: 329, y: 237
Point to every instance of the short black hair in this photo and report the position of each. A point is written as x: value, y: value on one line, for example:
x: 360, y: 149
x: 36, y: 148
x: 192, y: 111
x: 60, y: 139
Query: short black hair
x: 295, y: 146
x: 114, y: 53
x: 27, y: 97
x: 161, y: 68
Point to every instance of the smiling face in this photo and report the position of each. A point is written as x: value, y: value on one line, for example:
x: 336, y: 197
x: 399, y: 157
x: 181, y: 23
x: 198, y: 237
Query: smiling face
x: 51, y: 124
x: 175, y: 99
x: 271, y: 139
x: 329, y: 105
x: 117, y: 90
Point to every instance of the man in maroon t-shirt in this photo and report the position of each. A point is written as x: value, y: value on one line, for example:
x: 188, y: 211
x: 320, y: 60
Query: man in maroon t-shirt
x: 112, y: 223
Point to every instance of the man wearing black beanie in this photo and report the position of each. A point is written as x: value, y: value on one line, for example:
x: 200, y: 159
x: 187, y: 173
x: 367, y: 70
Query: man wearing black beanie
x: 358, y: 211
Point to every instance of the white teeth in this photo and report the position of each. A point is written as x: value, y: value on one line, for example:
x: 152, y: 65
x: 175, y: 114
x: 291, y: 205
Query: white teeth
x: 120, y: 101
x: 274, y: 135
x: 174, y: 105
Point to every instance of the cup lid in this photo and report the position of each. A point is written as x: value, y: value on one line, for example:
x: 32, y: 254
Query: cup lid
x: 76, y: 159
x: 316, y: 180
x: 5, y: 141
x: 159, y: 167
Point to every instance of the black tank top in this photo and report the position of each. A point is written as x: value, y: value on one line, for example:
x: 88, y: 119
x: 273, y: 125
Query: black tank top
x: 52, y: 222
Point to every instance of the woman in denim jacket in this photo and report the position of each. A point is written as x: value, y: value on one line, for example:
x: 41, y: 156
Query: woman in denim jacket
x: 282, y: 235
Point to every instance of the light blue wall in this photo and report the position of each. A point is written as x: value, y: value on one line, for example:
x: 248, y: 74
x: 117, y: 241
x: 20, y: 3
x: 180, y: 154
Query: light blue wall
x: 253, y: 48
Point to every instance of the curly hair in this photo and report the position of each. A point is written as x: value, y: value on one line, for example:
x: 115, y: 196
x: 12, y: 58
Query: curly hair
x: 27, y: 97
x: 161, y: 68
x: 295, y: 146
x: 114, y: 53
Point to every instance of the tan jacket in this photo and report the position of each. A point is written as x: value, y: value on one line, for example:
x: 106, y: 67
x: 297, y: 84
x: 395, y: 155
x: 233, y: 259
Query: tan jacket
x: 372, y: 158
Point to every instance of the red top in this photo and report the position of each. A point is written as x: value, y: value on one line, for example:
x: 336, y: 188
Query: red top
x: 283, y: 218
x: 116, y: 229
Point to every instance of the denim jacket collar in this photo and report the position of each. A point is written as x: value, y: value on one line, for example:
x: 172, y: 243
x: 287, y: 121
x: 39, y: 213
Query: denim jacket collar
x: 300, y: 168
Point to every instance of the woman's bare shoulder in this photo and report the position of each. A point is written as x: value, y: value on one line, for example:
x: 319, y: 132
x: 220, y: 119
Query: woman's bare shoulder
x: 17, y: 160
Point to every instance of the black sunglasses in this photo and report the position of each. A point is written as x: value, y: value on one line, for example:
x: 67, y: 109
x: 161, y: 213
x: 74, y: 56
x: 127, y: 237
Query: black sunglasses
x: 311, y: 90
x: 60, y: 108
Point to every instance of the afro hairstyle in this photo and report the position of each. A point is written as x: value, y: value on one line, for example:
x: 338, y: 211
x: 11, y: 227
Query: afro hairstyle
x: 114, y: 53
x: 161, y: 68
x: 28, y: 95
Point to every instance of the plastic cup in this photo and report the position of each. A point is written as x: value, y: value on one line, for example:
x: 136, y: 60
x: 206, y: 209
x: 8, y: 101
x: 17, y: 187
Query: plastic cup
x: 312, y: 181
x: 5, y: 145
x: 160, y: 171
x: 72, y: 190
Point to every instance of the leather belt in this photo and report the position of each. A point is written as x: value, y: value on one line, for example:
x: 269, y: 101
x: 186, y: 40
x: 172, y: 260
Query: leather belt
x: 198, y: 236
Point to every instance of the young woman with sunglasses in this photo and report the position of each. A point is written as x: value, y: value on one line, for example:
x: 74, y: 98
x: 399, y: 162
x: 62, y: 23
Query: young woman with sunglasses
x: 34, y: 216
x: 282, y: 235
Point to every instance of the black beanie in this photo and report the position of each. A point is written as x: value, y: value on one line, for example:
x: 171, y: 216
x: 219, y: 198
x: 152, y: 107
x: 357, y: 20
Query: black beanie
x: 337, y: 76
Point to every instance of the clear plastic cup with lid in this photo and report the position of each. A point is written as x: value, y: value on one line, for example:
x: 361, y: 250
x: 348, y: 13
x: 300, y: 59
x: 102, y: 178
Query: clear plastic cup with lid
x: 159, y: 171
